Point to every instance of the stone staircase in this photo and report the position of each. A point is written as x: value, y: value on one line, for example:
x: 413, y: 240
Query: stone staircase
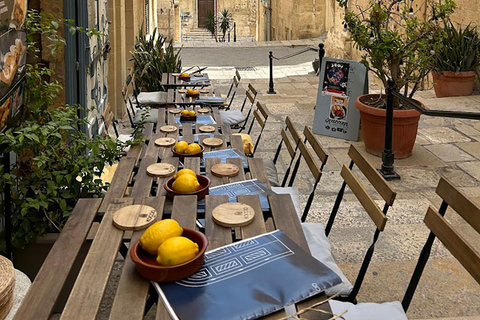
x: 197, y: 34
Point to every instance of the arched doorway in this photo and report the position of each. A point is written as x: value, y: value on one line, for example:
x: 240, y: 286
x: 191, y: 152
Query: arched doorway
x: 204, y: 7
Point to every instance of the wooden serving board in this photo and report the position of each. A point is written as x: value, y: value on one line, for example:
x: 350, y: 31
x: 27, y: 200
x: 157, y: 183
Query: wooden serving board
x: 134, y: 217
x: 212, y: 142
x: 203, y: 110
x: 160, y: 170
x: 175, y: 111
x: 225, y: 170
x: 233, y: 214
x: 207, y: 129
x: 168, y: 129
x: 165, y: 142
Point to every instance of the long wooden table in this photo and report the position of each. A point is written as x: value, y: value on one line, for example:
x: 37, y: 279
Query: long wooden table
x: 171, y: 80
x: 132, y: 185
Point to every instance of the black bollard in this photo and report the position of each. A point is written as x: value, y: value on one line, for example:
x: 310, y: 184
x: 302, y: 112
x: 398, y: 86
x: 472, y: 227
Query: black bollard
x: 321, y: 54
x: 387, y: 170
x: 271, y: 89
x: 234, y: 32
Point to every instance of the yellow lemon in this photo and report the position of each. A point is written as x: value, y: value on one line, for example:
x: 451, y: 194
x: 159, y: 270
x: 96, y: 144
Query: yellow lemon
x: 157, y: 233
x: 191, y: 113
x: 186, y: 183
x: 176, y: 250
x: 184, y: 171
x: 190, y: 91
x: 193, y: 148
x: 180, y: 146
x: 184, y: 75
x: 184, y: 113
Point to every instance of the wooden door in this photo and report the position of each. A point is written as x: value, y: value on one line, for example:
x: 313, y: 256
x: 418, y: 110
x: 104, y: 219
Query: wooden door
x: 204, y: 7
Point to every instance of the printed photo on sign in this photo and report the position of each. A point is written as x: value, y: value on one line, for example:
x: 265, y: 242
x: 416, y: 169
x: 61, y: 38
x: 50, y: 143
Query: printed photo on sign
x: 17, y: 101
x: 339, y: 108
x: 12, y: 14
x: 5, y: 112
x: 12, y: 59
x: 335, y: 78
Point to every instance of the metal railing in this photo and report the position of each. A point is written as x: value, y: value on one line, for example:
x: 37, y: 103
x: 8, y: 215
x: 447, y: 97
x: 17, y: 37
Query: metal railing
x: 321, y: 54
x: 387, y: 169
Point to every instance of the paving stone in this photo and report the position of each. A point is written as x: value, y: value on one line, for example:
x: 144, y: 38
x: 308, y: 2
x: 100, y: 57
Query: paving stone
x: 457, y: 177
x: 443, y: 135
x: 449, y: 152
x: 472, y: 168
x: 468, y: 131
x: 471, y: 147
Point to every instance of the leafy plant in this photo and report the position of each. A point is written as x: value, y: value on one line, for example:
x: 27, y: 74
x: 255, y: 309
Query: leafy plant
x: 396, y: 41
x: 211, y: 24
x: 56, y: 162
x: 151, y: 59
x: 225, y: 22
x: 459, y: 50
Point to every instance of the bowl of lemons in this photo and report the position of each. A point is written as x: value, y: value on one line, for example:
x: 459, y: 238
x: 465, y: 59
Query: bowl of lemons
x: 184, y: 76
x: 188, y: 115
x: 183, y: 149
x: 193, y: 93
x: 167, y: 252
x: 187, y: 182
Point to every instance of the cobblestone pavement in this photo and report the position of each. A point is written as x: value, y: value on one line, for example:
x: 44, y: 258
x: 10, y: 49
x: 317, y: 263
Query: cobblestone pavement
x: 444, y: 147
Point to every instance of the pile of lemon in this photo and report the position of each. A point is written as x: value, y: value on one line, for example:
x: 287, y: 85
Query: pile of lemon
x: 192, y: 92
x: 185, y: 148
x: 187, y: 113
x: 185, y: 181
x: 164, y: 239
x: 184, y: 75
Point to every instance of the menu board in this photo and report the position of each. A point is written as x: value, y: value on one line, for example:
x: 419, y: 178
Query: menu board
x: 13, y: 54
x: 340, y: 84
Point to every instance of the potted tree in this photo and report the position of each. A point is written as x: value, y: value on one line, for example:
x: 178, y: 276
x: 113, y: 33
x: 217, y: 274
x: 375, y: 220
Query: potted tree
x: 225, y: 22
x: 394, y: 40
x: 456, y: 60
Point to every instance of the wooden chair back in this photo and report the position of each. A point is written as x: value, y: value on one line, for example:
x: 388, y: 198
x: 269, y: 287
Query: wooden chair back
x: 237, y: 74
x: 289, y: 137
x: 448, y: 234
x: 250, y: 96
x: 109, y: 120
x: 261, y: 115
x: 376, y: 214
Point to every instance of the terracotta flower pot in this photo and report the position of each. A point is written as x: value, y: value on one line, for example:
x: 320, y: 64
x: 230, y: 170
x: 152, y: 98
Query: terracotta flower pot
x: 452, y: 84
x: 405, y: 126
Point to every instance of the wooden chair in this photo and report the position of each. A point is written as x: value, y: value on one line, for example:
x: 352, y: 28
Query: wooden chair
x: 451, y: 238
x: 261, y: 115
x: 236, y: 118
x: 290, y: 139
x: 142, y: 115
x: 230, y: 96
x: 317, y: 235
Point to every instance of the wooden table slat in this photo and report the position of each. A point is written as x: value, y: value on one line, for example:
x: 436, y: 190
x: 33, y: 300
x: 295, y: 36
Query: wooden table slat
x: 258, y: 224
x: 236, y: 142
x: 185, y: 210
x: 42, y: 295
x: 258, y: 171
x: 161, y: 119
x: 214, y: 180
x: 241, y: 174
x: 132, y: 290
x: 217, y: 235
x: 193, y: 163
x: 87, y: 293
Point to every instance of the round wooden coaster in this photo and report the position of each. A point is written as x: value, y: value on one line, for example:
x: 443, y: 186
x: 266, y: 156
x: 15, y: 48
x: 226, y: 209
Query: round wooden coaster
x: 212, y: 142
x: 203, y: 110
x: 182, y: 90
x: 160, y: 170
x: 134, y: 217
x: 207, y: 129
x: 204, y: 90
x: 165, y: 142
x: 175, y: 111
x: 168, y: 129
x: 233, y: 214
x: 225, y: 170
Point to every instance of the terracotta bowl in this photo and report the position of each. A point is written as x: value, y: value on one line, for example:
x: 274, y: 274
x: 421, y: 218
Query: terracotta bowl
x: 193, y: 95
x: 188, y: 118
x: 201, y: 193
x: 182, y: 156
x: 184, y: 78
x: 148, y: 268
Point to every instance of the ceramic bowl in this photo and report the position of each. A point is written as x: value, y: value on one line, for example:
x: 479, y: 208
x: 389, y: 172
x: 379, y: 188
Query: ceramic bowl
x: 182, y: 156
x: 148, y: 268
x: 201, y: 192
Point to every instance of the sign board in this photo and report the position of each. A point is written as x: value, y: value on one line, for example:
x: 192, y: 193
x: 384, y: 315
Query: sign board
x: 341, y: 82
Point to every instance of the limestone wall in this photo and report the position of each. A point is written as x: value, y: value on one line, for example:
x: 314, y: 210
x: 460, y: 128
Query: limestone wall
x: 299, y: 19
x: 244, y: 13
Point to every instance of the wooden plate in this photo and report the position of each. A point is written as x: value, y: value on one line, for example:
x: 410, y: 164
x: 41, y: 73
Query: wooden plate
x: 165, y: 142
x: 134, y: 217
x: 203, y: 110
x: 225, y: 170
x: 207, y: 129
x: 204, y: 90
x: 198, y: 74
x: 212, y: 142
x: 160, y: 170
x: 233, y: 214
x: 182, y: 90
x: 168, y: 129
x: 174, y: 111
